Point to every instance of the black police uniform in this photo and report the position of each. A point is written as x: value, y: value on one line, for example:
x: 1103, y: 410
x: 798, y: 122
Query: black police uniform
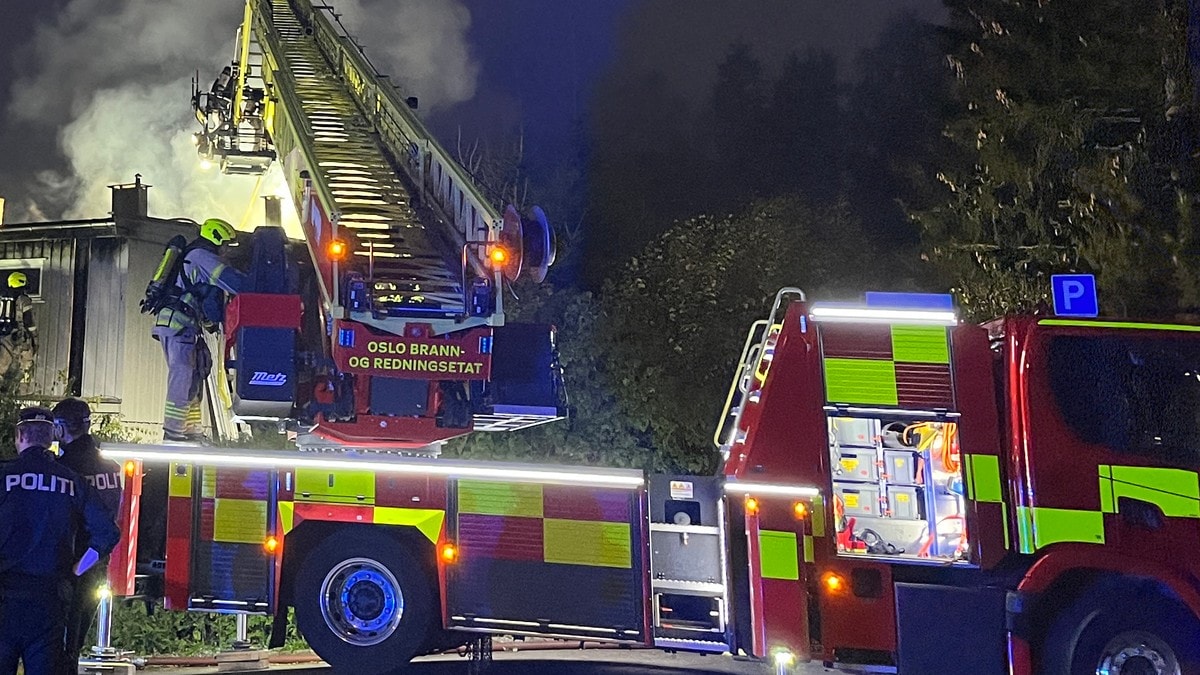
x: 44, y: 506
x: 82, y: 456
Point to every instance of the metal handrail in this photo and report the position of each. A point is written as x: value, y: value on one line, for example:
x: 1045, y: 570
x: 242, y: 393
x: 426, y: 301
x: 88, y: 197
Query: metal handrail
x: 757, y: 355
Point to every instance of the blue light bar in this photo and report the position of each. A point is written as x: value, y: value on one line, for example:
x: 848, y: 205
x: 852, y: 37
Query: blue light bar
x: 935, y: 301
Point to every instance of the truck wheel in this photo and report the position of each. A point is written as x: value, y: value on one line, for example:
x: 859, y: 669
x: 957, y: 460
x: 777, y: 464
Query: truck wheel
x: 1122, y: 630
x: 363, y: 602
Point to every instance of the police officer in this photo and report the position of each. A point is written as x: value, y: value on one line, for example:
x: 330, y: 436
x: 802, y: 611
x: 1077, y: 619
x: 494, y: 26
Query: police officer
x: 202, y: 284
x: 44, y: 507
x: 73, y: 417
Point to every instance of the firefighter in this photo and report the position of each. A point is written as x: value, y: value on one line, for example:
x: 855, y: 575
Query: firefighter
x: 46, y: 509
x: 18, y: 340
x: 197, y: 304
x: 73, y: 417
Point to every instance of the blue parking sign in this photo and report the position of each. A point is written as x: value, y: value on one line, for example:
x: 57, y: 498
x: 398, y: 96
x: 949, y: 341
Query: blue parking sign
x: 1075, y: 295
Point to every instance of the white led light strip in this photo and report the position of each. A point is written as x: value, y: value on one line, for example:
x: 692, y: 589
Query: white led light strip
x: 739, y: 487
x: 285, y: 459
x: 874, y: 315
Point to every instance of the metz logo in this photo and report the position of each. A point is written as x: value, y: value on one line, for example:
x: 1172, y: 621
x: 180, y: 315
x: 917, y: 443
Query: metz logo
x: 268, y: 379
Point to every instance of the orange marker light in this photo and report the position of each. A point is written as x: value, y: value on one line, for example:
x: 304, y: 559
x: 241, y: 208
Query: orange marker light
x: 833, y: 582
x: 130, y: 467
x: 498, y: 257
x: 751, y: 505
x: 271, y: 544
x: 801, y: 510
x: 336, y: 249
x: 449, y: 553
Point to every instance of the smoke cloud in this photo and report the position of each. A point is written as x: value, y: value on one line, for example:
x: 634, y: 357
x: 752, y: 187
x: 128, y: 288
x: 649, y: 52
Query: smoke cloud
x: 421, y: 43
x: 109, y: 84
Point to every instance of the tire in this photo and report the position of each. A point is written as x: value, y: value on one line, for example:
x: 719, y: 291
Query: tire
x: 363, y: 601
x: 1122, y: 629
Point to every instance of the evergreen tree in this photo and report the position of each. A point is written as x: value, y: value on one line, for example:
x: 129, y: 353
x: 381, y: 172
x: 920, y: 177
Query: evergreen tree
x: 895, y: 114
x: 804, y: 153
x: 1072, y: 152
x: 739, y: 134
x: 645, y: 170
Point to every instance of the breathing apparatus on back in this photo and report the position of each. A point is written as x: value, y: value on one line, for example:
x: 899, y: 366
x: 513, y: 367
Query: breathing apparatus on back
x: 162, y: 290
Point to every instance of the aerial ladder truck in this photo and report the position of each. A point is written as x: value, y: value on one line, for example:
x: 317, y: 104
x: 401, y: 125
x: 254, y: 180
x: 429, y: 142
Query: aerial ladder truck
x: 900, y: 491
x: 405, y: 343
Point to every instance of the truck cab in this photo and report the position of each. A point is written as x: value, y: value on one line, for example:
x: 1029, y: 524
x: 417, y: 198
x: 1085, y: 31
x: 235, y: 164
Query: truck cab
x: 1001, y: 498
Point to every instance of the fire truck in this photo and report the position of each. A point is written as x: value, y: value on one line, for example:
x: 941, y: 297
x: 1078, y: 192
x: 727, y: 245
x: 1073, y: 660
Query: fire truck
x: 900, y: 492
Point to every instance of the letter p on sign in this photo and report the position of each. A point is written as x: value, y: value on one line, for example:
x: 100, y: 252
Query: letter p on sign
x: 1075, y: 295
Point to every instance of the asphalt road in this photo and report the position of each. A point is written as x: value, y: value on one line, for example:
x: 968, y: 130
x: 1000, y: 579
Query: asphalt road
x: 591, y: 662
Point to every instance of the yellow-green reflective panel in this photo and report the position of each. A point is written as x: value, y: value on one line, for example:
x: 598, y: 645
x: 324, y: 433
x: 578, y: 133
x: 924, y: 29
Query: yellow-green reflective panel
x: 1177, y: 481
x: 1051, y: 526
x: 1119, y: 324
x: 343, y: 486
x: 500, y: 499
x: 985, y: 478
x: 1173, y: 506
x: 818, y: 516
x: 777, y: 555
x: 860, y: 381
x: 920, y: 344
x: 427, y: 521
x: 586, y: 542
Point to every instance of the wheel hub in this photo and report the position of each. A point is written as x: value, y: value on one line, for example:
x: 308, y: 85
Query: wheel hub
x: 361, y: 601
x: 1137, y: 653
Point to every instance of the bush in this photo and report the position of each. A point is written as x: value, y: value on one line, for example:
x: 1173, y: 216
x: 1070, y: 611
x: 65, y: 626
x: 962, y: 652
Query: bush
x: 148, y: 630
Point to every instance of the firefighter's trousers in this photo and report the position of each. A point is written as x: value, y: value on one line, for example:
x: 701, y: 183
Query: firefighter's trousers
x: 184, y: 380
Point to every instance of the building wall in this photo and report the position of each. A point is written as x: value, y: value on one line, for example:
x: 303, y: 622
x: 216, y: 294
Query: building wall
x: 123, y: 370
x: 106, y: 328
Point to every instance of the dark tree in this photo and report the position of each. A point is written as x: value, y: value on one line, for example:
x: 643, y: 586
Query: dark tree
x: 1073, y: 152
x: 896, y: 111
x: 739, y: 132
x: 677, y: 314
x: 646, y: 170
x: 804, y: 151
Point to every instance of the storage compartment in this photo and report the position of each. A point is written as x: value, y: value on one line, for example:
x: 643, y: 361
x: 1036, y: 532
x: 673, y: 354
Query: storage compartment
x: 680, y: 611
x: 859, y: 432
x: 854, y: 464
x: 686, y: 553
x: 901, y: 495
x: 903, y: 502
x: 858, y: 500
x: 900, y: 467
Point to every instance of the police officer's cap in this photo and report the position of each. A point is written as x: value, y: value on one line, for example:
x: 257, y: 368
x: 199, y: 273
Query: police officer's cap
x: 35, y: 414
x: 72, y: 411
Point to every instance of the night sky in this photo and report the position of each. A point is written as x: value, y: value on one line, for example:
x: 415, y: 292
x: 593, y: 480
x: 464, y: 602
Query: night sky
x: 534, y: 64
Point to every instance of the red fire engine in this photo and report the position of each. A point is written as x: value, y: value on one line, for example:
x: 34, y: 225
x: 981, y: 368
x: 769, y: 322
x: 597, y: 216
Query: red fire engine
x: 901, y: 493
x: 1011, y: 497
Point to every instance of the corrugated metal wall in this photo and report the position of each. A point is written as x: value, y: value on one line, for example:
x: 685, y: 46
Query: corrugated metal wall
x: 122, y: 365
x: 105, y: 323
